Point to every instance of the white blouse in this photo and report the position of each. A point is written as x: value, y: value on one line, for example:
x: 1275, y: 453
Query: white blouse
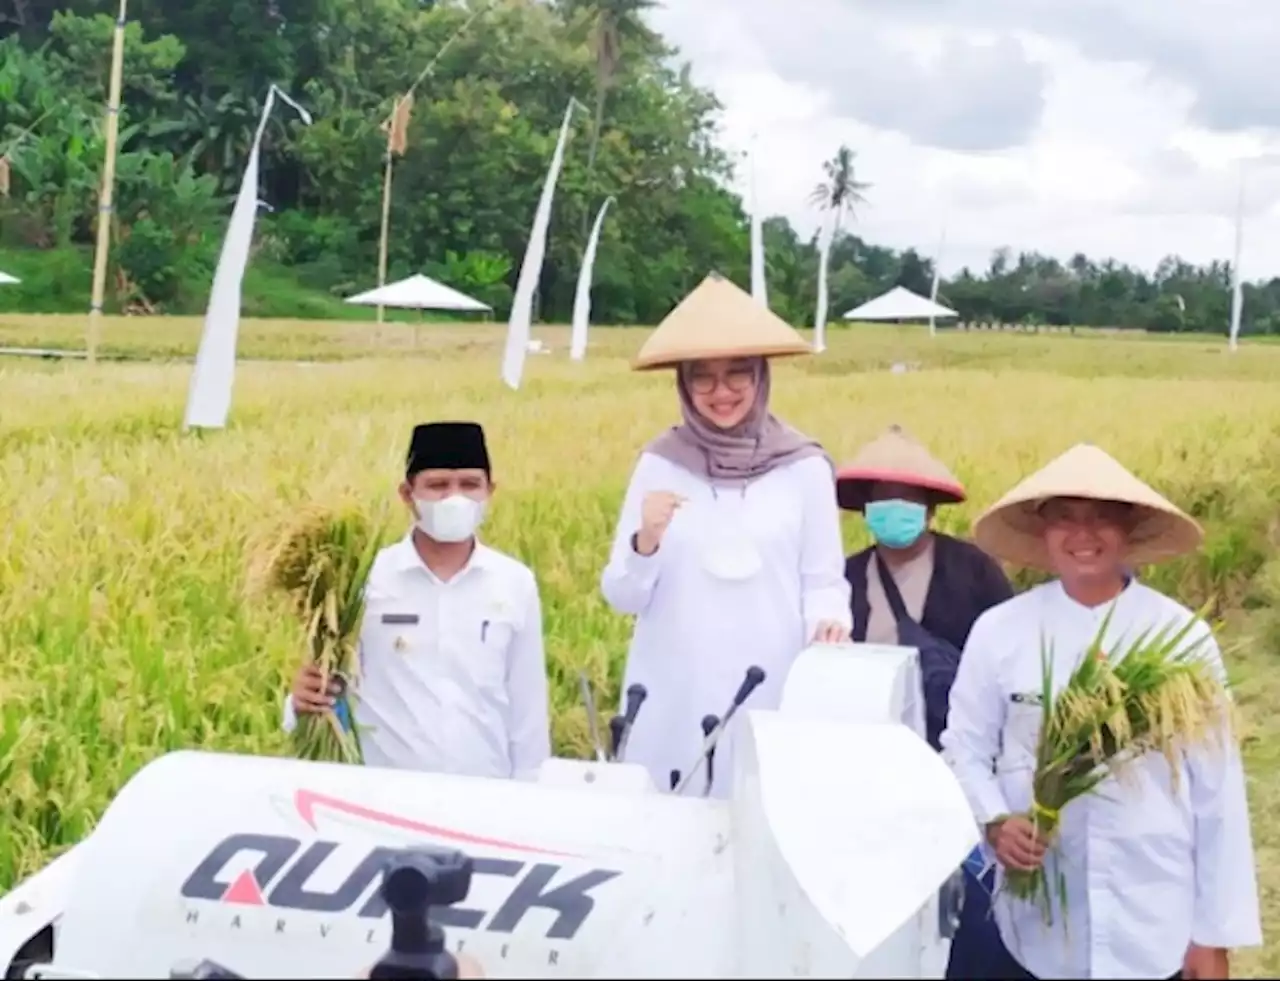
x: 744, y: 575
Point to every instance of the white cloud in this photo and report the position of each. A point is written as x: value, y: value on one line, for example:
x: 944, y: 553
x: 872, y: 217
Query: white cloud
x: 1054, y: 125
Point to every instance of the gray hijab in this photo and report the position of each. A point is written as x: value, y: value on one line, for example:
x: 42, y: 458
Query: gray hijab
x: 752, y: 448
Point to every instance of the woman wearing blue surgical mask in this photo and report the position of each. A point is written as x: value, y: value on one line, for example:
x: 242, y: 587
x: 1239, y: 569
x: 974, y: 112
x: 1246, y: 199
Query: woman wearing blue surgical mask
x: 924, y: 589
x: 945, y: 582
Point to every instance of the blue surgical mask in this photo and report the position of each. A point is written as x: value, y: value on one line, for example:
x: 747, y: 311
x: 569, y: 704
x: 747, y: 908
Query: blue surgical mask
x: 895, y: 523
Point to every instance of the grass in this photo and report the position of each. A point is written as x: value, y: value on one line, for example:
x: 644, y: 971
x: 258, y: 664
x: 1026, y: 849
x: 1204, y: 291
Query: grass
x: 53, y: 281
x: 123, y: 628
x: 1083, y: 355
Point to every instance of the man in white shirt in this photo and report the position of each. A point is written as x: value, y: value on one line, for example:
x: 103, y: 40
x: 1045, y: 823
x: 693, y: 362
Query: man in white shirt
x: 452, y: 672
x: 1158, y: 875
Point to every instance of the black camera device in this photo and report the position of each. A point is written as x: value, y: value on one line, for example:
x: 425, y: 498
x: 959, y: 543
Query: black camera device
x: 415, y: 880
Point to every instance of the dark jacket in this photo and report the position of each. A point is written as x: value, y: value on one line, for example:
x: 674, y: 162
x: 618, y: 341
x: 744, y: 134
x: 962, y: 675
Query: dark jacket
x: 966, y: 583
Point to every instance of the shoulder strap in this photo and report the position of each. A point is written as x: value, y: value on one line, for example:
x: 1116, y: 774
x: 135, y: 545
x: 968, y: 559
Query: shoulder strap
x: 891, y: 592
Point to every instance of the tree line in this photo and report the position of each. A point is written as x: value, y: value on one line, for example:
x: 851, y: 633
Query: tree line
x: 480, y: 132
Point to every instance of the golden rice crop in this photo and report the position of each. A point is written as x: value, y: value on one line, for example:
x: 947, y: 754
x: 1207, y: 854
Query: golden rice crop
x: 319, y: 563
x: 1157, y: 692
x: 124, y: 632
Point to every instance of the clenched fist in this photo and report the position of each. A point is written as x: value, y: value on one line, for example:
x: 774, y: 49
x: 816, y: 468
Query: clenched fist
x: 656, y: 512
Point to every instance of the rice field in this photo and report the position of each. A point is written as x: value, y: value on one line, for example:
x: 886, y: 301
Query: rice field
x: 125, y: 631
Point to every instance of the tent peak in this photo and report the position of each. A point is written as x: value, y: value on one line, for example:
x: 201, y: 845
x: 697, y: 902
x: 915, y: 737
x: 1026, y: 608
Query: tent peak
x: 899, y: 303
x: 419, y: 292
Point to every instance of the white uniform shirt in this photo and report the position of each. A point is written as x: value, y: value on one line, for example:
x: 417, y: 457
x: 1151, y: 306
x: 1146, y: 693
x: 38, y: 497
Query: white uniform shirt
x: 696, y: 633
x: 452, y: 675
x: 1148, y: 869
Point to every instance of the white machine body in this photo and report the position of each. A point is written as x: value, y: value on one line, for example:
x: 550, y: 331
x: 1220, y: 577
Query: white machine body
x: 837, y: 857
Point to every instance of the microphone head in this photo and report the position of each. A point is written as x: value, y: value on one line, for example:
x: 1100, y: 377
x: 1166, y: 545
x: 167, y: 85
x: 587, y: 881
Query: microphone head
x: 750, y: 682
x: 635, y: 698
x: 709, y: 722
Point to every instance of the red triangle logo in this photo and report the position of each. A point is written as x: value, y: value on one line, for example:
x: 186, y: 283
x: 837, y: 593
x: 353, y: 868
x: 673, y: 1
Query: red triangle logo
x: 244, y: 890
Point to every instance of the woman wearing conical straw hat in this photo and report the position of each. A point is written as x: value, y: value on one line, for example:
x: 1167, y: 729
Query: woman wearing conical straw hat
x: 1157, y: 867
x: 921, y: 588
x: 728, y: 549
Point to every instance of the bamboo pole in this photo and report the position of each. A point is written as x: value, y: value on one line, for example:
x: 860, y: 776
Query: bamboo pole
x: 390, y: 124
x: 386, y: 222
x: 105, y: 209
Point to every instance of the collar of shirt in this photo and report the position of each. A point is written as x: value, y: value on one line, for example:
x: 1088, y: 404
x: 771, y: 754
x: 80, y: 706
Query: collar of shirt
x: 1130, y: 595
x: 405, y: 558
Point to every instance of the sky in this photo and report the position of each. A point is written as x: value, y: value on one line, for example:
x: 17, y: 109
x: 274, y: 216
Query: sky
x: 1060, y: 126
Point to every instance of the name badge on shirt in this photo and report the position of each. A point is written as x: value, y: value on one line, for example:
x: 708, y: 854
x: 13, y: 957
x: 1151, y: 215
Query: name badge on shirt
x: 1026, y: 698
x: 401, y: 643
x: 400, y: 618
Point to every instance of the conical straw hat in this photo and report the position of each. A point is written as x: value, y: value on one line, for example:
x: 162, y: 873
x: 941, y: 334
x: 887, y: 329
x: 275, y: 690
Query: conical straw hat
x: 718, y: 320
x: 1011, y: 529
x: 898, y: 457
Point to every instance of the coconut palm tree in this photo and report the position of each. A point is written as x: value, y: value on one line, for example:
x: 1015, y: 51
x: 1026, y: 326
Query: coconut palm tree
x: 614, y: 24
x: 841, y: 192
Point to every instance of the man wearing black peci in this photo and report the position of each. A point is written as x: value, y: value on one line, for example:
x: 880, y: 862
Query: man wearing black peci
x: 452, y: 672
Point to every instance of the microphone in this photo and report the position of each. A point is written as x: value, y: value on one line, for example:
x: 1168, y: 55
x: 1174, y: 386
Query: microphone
x: 709, y: 722
x: 616, y: 725
x: 636, y: 694
x: 751, y: 681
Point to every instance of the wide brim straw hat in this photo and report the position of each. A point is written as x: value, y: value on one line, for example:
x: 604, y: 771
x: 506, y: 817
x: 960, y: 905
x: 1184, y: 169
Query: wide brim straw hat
x: 895, y: 457
x: 1013, y: 530
x: 718, y: 320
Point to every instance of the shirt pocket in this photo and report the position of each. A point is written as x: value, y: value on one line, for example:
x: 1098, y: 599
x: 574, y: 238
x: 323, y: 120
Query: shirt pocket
x: 1021, y: 737
x: 496, y: 634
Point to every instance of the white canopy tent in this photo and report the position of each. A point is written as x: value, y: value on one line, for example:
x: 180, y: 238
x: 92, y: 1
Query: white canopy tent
x: 899, y: 304
x: 420, y: 292
x: 5, y: 278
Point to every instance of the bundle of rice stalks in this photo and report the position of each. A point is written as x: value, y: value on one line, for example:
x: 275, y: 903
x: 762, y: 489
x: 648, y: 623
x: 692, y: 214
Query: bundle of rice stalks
x: 1153, y: 696
x: 320, y: 561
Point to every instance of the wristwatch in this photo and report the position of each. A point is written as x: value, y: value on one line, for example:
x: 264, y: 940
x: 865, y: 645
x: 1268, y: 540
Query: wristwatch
x: 635, y: 546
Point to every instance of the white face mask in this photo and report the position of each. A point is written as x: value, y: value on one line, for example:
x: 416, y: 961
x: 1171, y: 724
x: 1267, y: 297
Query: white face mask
x: 453, y: 519
x: 727, y: 550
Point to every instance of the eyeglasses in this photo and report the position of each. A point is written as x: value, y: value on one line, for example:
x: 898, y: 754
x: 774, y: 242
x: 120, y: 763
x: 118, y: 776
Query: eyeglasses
x: 1087, y: 514
x: 736, y: 380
